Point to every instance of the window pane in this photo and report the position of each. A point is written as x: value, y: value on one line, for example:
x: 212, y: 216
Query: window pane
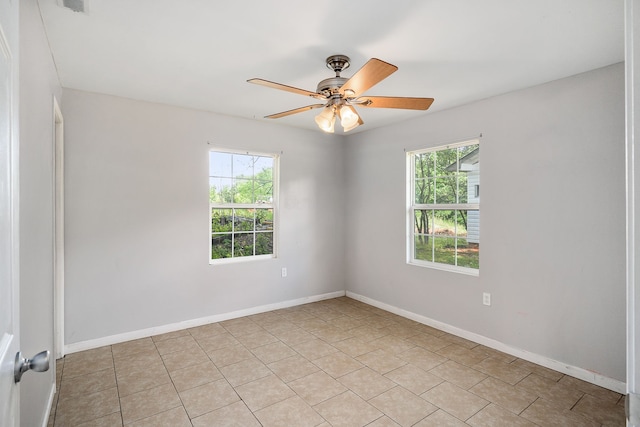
x: 446, y: 161
x: 243, y: 191
x: 466, y: 150
x: 263, y: 168
x: 242, y: 244
x: 473, y: 225
x: 463, y: 188
x: 264, y: 219
x: 221, y: 246
x: 242, y: 166
x: 221, y: 220
x: 213, y: 191
x: 445, y: 189
x: 243, y: 219
x: 423, y: 165
x: 219, y: 164
x: 264, y: 243
x: 461, y: 223
x: 468, y: 254
x: 220, y: 190
x: 263, y: 191
x: 444, y: 250
x: 424, y: 190
x: 423, y: 248
x: 423, y: 221
x: 444, y: 223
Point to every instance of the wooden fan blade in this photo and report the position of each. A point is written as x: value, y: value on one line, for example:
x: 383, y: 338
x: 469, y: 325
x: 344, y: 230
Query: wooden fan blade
x: 395, y: 102
x: 297, y: 110
x: 280, y: 86
x: 371, y: 73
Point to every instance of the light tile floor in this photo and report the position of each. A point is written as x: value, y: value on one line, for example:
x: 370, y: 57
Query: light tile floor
x: 337, y: 362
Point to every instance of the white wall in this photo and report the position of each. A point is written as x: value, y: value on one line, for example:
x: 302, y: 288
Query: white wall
x: 137, y: 243
x: 552, y: 227
x: 38, y: 85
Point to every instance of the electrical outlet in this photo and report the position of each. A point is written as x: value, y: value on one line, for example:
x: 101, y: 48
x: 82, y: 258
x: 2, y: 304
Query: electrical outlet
x: 486, y: 298
x: 284, y: 271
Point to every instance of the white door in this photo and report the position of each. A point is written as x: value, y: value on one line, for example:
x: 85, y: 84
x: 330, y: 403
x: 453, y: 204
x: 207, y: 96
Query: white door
x: 9, y: 316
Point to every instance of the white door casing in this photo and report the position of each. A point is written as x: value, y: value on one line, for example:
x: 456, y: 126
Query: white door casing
x: 632, y: 89
x: 58, y: 227
x: 9, y: 278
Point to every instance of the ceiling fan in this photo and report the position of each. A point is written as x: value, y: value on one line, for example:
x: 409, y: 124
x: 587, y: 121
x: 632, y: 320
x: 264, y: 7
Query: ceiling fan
x: 342, y: 94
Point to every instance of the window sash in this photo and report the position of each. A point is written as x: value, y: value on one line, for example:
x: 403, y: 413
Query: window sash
x: 447, y: 206
x: 446, y: 250
x: 241, y: 205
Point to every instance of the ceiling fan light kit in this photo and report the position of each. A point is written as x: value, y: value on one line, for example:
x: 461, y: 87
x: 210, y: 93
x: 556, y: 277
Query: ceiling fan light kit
x: 326, y: 120
x: 341, y: 94
x: 348, y: 116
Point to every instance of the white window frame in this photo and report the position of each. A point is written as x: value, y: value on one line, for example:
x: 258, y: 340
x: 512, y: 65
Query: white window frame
x: 274, y: 206
x: 412, y: 207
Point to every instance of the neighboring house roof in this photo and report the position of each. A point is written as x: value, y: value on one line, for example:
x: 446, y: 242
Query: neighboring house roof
x: 471, y: 158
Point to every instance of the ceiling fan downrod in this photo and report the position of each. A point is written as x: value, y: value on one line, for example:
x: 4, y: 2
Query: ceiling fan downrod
x: 330, y: 87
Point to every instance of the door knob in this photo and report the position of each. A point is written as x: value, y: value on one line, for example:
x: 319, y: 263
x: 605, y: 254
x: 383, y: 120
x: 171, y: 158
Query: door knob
x: 38, y: 363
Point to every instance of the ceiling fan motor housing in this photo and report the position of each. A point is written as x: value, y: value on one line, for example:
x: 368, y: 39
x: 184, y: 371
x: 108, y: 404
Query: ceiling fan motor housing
x: 330, y: 86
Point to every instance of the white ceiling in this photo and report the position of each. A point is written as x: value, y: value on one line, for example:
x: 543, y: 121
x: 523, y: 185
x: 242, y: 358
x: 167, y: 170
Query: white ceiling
x: 199, y: 53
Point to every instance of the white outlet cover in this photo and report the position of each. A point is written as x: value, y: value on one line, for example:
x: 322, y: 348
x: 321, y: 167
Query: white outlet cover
x: 486, y: 298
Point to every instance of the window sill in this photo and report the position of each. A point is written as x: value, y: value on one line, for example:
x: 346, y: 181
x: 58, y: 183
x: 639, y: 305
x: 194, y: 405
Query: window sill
x: 222, y: 261
x: 445, y: 267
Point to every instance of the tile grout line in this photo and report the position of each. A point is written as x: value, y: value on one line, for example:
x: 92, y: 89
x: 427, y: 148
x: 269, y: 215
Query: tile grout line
x: 172, y: 382
x: 115, y: 374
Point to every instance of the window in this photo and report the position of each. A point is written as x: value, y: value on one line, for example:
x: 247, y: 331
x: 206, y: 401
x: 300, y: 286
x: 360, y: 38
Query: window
x: 242, y: 201
x: 444, y: 207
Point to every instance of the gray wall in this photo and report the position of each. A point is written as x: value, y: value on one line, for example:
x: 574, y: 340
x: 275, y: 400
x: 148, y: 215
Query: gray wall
x: 38, y: 84
x: 552, y: 218
x: 552, y: 228
x: 136, y: 201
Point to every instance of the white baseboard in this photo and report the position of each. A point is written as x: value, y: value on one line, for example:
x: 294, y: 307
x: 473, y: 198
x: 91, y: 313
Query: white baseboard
x: 574, y: 371
x: 143, y: 333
